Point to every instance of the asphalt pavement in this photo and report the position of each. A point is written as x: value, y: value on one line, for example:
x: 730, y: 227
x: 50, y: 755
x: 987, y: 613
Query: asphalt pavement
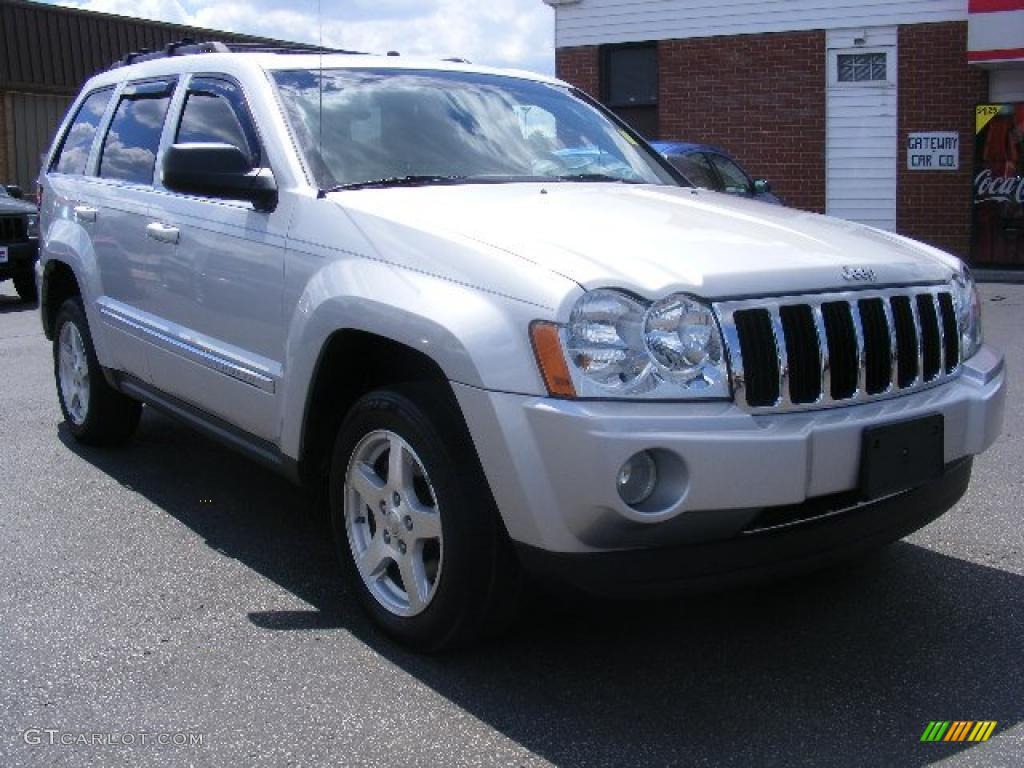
x: 170, y: 603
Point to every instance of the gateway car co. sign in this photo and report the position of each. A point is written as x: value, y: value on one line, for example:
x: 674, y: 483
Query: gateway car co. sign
x: 934, y: 151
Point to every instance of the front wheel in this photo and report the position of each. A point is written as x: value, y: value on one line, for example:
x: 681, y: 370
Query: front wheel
x: 94, y: 411
x: 414, y: 522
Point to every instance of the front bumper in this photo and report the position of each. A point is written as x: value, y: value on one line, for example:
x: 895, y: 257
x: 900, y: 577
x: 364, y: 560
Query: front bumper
x: 754, y: 554
x: 21, y: 259
x: 552, y: 464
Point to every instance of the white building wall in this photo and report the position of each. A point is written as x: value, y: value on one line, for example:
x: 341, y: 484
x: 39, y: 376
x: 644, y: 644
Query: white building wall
x: 1006, y: 85
x: 595, y: 22
x: 861, y: 152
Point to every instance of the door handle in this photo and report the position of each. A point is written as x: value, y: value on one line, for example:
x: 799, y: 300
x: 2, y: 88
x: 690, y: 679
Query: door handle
x: 85, y: 213
x: 162, y: 233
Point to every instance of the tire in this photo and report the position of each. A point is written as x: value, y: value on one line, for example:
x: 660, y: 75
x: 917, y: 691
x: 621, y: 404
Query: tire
x: 95, y: 412
x: 468, y: 574
x: 25, y: 285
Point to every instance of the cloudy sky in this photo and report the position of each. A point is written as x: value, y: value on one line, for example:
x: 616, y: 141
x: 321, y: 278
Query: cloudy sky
x: 515, y: 33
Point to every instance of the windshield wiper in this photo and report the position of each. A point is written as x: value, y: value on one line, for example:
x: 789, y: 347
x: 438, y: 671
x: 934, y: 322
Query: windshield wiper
x: 396, y: 181
x: 596, y: 177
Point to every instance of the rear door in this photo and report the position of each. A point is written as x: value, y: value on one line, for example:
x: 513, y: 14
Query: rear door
x: 121, y: 193
x: 223, y: 275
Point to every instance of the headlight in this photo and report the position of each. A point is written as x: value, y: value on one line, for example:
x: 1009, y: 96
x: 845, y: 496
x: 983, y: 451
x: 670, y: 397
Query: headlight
x: 968, y: 312
x: 618, y: 346
x: 604, y: 341
x: 32, y: 224
x: 683, y: 340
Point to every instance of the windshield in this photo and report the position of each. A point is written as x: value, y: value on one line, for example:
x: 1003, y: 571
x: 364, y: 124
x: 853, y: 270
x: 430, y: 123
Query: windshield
x: 390, y: 126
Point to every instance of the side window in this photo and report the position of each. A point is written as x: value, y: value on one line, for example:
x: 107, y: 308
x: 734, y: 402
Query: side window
x: 736, y: 181
x: 74, y: 151
x: 696, y: 169
x: 215, y: 112
x: 130, y: 146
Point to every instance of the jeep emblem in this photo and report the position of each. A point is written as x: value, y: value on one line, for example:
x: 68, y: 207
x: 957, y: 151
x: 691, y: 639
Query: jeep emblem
x: 859, y: 274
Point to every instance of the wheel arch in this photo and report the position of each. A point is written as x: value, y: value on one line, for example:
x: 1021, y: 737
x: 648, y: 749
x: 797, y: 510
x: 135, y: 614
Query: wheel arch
x: 336, y: 385
x: 59, y: 283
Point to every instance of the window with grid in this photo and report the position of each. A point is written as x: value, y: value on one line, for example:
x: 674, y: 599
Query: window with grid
x: 861, y: 67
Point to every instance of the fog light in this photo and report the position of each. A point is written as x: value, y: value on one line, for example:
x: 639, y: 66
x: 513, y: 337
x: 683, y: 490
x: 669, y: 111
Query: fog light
x: 637, y: 478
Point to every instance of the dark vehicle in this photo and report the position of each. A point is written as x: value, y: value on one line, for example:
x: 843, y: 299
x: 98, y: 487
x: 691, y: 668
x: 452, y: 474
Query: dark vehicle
x: 713, y: 168
x: 19, y: 241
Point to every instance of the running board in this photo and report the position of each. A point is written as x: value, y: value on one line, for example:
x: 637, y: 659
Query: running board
x: 262, y: 451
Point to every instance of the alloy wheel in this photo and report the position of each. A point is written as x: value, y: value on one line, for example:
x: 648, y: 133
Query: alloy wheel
x: 74, y: 373
x: 393, y: 523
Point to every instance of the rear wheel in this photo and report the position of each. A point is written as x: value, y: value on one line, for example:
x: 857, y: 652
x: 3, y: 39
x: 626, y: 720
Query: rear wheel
x: 25, y: 285
x: 94, y: 411
x: 414, y: 522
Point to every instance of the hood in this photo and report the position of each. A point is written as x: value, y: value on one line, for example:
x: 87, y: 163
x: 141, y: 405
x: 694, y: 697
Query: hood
x: 10, y: 205
x: 653, y: 240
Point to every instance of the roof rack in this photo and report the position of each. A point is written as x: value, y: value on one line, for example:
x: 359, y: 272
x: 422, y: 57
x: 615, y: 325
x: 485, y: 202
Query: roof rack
x: 287, y: 48
x: 188, y: 47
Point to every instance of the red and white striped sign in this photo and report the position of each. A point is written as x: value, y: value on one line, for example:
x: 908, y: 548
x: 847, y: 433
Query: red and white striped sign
x: 995, y: 30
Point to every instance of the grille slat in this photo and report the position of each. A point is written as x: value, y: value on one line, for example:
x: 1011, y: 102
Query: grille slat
x: 950, y: 332
x: 802, y: 352
x: 13, y: 229
x: 877, y: 349
x: 841, y: 349
x: 906, y: 341
x: 931, y: 343
x: 761, y: 363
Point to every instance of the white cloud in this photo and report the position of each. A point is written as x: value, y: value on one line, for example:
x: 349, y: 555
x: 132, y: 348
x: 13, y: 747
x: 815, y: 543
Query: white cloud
x: 510, y: 33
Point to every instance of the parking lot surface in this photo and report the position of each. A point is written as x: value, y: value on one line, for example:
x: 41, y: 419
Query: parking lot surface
x: 171, y: 591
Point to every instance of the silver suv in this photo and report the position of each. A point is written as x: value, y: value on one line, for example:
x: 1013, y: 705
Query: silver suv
x: 498, y: 329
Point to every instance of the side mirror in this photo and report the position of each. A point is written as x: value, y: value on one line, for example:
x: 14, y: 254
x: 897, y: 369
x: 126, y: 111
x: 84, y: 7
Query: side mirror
x: 762, y: 187
x: 218, y: 171
x: 15, y: 191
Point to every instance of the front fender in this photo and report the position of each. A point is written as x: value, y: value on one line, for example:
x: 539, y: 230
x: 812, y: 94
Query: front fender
x: 477, y: 338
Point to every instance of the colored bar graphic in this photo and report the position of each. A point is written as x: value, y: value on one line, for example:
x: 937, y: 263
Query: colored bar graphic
x: 959, y: 730
x: 935, y: 730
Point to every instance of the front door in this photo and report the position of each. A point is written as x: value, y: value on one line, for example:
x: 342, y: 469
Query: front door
x: 222, y: 278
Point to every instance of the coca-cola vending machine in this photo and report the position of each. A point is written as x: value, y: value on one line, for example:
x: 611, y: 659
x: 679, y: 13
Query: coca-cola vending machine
x: 997, y: 234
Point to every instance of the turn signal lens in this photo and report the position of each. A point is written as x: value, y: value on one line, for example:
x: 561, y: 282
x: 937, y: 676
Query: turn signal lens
x: 547, y: 348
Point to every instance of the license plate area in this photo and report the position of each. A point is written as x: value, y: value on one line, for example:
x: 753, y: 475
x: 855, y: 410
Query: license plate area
x: 902, y: 455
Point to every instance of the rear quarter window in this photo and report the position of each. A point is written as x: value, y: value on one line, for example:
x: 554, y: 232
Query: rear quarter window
x: 74, y: 150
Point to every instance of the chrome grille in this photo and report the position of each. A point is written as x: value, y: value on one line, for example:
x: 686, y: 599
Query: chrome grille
x: 801, y: 352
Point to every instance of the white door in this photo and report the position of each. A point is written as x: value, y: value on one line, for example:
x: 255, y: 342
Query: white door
x: 861, y: 129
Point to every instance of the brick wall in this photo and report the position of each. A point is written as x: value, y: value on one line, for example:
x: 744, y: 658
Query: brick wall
x: 762, y: 97
x: 938, y: 91
x: 581, y: 67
